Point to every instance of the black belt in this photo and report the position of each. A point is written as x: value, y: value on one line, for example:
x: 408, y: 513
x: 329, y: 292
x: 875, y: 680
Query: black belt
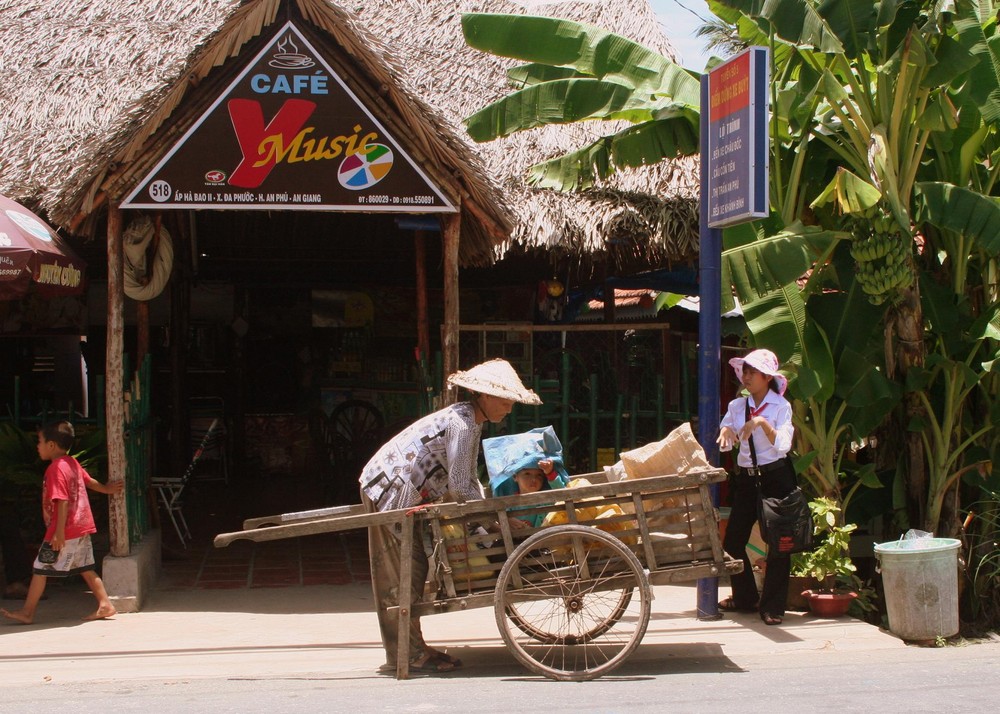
x: 765, y: 468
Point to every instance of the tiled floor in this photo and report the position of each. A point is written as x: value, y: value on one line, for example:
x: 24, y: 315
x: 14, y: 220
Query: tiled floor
x: 213, y: 508
x: 328, y: 559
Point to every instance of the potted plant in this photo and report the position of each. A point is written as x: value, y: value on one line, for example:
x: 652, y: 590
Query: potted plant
x: 829, y: 563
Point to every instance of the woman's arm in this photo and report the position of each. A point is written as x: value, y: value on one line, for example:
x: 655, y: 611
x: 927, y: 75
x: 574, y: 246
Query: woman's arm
x: 462, y: 448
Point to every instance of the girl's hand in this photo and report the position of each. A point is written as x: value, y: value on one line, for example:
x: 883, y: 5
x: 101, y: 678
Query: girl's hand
x: 546, y: 466
x: 726, y: 438
x: 757, y: 421
x: 518, y: 524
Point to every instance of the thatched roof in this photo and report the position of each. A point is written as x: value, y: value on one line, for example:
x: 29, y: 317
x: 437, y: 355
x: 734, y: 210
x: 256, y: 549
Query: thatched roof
x: 653, y: 209
x: 87, y: 83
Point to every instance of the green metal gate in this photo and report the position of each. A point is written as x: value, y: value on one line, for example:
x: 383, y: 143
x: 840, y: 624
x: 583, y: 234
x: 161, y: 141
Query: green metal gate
x: 138, y: 449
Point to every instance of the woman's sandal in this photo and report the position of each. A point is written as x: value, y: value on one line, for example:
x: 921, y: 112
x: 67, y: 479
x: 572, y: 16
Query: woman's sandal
x: 770, y: 619
x: 429, y: 662
x: 729, y: 605
x: 445, y: 657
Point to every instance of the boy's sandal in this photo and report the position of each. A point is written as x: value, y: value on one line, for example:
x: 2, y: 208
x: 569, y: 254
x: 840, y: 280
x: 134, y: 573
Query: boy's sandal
x: 729, y: 605
x: 770, y: 619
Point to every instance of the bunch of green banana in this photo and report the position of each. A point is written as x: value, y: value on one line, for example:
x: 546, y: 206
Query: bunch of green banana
x: 883, y: 255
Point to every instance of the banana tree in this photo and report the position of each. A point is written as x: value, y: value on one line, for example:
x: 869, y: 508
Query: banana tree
x: 860, y: 90
x: 578, y: 72
x: 907, y: 104
x: 855, y: 396
x: 952, y: 386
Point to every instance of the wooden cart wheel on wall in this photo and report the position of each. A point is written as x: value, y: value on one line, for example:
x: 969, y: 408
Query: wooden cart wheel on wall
x: 352, y: 434
x: 566, y: 603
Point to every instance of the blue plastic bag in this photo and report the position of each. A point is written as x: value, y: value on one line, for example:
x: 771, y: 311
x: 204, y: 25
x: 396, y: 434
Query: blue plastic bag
x: 508, y: 454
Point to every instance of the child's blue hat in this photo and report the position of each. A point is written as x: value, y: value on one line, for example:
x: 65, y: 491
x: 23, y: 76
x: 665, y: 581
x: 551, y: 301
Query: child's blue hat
x: 508, y: 454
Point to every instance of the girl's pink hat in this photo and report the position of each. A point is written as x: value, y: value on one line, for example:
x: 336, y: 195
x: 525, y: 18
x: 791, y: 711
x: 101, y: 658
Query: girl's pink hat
x: 765, y: 362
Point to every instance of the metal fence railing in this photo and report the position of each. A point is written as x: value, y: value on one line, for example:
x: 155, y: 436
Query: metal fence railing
x: 138, y: 450
x: 605, y: 388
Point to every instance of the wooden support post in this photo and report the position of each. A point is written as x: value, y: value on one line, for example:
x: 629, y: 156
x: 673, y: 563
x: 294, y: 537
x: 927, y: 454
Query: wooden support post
x: 142, y: 306
x: 142, y: 331
x: 450, y: 233
x: 423, y: 321
x: 114, y: 384
x: 593, y: 423
x: 180, y: 301
x: 403, y: 653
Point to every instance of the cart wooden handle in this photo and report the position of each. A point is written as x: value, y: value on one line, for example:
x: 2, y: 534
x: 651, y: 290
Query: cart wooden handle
x: 322, y: 524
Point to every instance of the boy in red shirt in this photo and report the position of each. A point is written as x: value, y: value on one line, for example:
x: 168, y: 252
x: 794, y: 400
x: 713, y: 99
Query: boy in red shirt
x: 67, y: 549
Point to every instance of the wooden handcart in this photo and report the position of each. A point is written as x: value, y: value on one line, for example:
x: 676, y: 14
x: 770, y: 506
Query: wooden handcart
x: 572, y: 597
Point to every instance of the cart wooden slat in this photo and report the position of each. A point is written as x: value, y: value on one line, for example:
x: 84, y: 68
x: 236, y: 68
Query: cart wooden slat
x: 664, y: 527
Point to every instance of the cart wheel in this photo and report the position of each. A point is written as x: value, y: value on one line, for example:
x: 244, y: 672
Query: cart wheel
x: 565, y: 603
x: 525, y: 625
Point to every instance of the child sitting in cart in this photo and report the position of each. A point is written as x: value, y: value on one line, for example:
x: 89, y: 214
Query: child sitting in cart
x: 525, y: 463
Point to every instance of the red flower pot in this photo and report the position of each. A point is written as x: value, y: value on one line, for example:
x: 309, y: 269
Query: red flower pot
x: 828, y: 604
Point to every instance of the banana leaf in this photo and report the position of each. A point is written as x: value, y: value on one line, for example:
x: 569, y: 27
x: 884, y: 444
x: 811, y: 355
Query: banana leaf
x: 958, y: 209
x: 587, y: 49
x: 557, y: 102
x: 641, y: 145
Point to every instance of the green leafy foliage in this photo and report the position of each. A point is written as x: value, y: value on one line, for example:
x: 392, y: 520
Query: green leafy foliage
x: 831, y: 558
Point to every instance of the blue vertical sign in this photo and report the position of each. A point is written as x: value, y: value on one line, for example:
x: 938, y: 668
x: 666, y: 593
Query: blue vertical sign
x: 734, y: 189
x: 737, y: 159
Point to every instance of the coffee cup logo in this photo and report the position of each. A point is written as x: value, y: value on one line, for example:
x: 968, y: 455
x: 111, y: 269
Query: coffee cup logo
x: 289, y: 57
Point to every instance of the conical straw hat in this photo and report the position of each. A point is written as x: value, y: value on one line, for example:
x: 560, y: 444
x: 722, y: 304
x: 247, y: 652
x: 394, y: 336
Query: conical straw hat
x: 497, y: 378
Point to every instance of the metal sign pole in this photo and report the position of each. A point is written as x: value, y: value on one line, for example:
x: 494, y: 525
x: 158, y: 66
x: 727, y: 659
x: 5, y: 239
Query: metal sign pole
x: 709, y: 343
x: 734, y: 189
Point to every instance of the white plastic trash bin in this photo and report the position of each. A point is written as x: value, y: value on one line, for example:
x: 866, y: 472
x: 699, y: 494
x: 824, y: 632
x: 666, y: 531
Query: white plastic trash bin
x: 920, y: 580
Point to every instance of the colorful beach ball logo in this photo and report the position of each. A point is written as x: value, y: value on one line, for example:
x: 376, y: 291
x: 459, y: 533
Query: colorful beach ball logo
x: 364, y: 170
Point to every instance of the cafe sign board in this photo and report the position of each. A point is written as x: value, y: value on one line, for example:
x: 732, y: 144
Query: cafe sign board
x: 737, y: 160
x: 288, y: 134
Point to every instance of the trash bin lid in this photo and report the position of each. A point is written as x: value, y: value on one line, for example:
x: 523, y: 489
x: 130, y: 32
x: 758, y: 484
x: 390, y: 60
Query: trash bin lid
x: 918, y: 545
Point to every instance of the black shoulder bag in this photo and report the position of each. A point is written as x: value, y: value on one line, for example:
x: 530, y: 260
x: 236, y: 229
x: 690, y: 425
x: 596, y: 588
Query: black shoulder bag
x: 785, y: 523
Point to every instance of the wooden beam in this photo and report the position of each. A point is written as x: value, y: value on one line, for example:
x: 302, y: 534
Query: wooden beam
x: 450, y: 234
x: 142, y: 306
x: 142, y: 331
x: 180, y: 310
x: 114, y: 382
x: 423, y: 321
x: 80, y: 217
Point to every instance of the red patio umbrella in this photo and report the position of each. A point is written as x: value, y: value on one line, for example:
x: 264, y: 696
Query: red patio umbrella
x: 32, y: 253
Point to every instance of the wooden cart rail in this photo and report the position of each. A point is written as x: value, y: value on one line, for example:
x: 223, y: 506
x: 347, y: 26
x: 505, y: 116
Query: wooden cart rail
x: 665, y: 525
x: 669, y: 522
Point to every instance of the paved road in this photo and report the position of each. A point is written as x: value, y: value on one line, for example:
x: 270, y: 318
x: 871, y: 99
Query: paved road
x: 655, y: 680
x: 309, y: 648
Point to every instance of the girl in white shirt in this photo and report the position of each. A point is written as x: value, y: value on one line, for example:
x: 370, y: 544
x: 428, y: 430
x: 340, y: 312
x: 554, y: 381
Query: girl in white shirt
x: 764, y: 419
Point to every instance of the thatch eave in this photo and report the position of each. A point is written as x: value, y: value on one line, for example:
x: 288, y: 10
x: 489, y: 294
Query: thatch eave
x: 80, y: 115
x: 459, y: 80
x: 76, y: 116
